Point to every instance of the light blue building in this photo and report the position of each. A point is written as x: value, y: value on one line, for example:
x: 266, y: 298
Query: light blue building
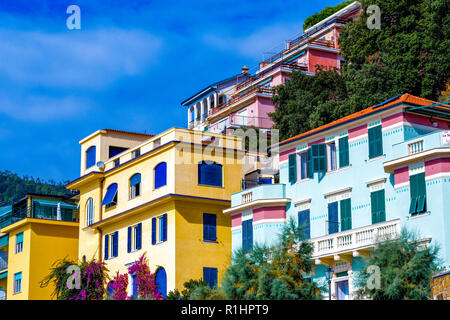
x: 350, y: 181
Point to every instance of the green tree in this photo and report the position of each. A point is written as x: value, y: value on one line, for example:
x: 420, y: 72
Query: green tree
x: 325, y: 13
x: 273, y: 273
x: 405, y: 269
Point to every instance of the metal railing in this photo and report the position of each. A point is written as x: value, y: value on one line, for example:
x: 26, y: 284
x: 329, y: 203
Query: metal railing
x: 251, y: 183
x: 3, y: 264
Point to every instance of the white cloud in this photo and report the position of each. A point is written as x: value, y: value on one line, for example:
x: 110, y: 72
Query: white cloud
x: 77, y: 59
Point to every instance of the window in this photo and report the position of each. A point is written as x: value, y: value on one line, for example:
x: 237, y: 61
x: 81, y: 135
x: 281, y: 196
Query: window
x: 317, y: 158
x: 304, y: 222
x: 111, y: 245
x: 292, y: 168
x: 247, y: 235
x: 135, y: 185
x: 331, y: 156
x: 90, y: 157
x: 159, y: 229
x: 110, y: 198
x: 377, y: 204
x: 89, y: 212
x: 134, y: 238
x: 344, y: 159
x: 303, y: 165
x: 210, y: 174
x: 137, y: 153
x: 114, y: 151
x: 210, y: 276
x: 17, y: 282
x: 19, y: 242
x: 117, y: 162
x: 418, y: 194
x: 346, y: 214
x: 209, y: 227
x: 375, y: 142
x: 160, y: 175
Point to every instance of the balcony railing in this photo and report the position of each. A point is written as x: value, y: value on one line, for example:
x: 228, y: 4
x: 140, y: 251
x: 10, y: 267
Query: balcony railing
x: 3, y: 264
x: 355, y: 239
x: 415, y: 147
x: 240, y: 98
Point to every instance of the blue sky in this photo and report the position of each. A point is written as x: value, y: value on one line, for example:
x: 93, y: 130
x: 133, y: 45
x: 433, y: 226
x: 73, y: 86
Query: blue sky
x: 128, y: 68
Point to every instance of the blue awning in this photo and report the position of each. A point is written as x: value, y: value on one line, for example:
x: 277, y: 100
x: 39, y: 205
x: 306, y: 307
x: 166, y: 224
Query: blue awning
x: 4, y: 240
x: 3, y: 275
x: 135, y: 179
x: 52, y: 203
x: 110, y: 194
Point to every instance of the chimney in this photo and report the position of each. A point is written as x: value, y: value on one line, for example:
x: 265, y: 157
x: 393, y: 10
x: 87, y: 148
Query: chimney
x: 245, y: 69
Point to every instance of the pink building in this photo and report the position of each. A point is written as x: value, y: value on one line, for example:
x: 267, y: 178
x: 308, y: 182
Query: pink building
x: 248, y: 98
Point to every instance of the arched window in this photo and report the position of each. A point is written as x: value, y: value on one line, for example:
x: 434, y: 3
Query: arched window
x: 90, y: 157
x: 89, y: 212
x: 110, y: 198
x: 160, y: 175
x: 210, y: 174
x: 135, y: 185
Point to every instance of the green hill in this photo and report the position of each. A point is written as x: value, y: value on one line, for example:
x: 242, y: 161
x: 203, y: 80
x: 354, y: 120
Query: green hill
x: 14, y: 187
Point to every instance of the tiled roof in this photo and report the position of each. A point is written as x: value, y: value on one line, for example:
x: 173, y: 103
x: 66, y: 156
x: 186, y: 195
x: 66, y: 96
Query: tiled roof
x: 405, y: 98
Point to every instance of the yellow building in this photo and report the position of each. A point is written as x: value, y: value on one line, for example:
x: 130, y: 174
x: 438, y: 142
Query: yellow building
x: 163, y: 196
x: 35, y: 232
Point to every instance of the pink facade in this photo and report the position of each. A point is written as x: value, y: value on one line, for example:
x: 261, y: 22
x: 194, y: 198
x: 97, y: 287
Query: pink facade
x: 322, y: 58
x: 401, y: 175
x: 425, y: 121
x: 358, y: 131
x: 284, y: 155
x: 436, y: 166
x: 392, y: 119
x: 278, y: 212
x: 236, y: 220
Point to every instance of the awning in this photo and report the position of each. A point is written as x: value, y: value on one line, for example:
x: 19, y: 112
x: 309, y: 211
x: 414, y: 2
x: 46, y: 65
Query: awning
x: 3, y: 275
x: 4, y: 240
x: 438, y: 110
x: 135, y: 179
x: 51, y: 203
x: 110, y: 194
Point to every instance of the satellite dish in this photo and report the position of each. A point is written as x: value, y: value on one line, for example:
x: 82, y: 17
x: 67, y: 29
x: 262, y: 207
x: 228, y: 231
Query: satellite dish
x: 100, y: 164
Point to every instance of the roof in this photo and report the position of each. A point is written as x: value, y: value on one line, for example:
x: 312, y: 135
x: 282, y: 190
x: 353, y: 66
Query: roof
x: 405, y: 98
x: 129, y: 132
x: 205, y: 90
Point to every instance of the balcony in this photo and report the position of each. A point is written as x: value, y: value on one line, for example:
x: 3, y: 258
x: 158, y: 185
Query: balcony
x: 424, y: 146
x: 259, y: 192
x: 349, y: 243
x: 3, y: 263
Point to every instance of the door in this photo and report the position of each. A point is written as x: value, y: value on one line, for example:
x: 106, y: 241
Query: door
x: 161, y: 282
x: 342, y: 290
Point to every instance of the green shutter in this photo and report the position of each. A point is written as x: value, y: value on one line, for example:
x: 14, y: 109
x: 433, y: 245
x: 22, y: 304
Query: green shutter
x: 343, y: 152
x: 420, y: 193
x: 292, y: 168
x: 319, y: 157
x: 346, y: 214
x: 377, y: 204
x: 309, y: 164
x: 375, y: 142
x: 414, y: 194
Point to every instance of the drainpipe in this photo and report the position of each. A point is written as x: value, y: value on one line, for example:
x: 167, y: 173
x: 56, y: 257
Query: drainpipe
x: 100, y: 217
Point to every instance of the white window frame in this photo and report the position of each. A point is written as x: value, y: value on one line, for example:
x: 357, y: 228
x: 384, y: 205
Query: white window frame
x: 19, y: 245
x: 89, y: 213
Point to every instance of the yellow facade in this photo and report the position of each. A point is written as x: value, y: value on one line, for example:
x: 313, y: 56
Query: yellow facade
x: 44, y: 242
x: 185, y: 253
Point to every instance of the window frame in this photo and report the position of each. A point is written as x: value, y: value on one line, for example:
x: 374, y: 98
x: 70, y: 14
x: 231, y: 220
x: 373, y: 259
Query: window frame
x: 17, y: 287
x: 135, y: 189
x: 90, y: 213
x: 19, y: 245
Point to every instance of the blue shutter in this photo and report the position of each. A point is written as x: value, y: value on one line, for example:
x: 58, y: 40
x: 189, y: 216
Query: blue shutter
x: 247, y: 235
x: 164, y: 228
x: 153, y: 230
x: 90, y: 157
x: 134, y: 286
x: 210, y: 276
x: 129, y: 240
x: 139, y: 236
x: 161, y: 281
x: 116, y: 244
x: 292, y: 167
x: 333, y: 224
x: 110, y: 194
x: 209, y: 227
x: 210, y: 174
x: 160, y: 175
x: 19, y: 237
x: 106, y: 246
x: 304, y: 222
